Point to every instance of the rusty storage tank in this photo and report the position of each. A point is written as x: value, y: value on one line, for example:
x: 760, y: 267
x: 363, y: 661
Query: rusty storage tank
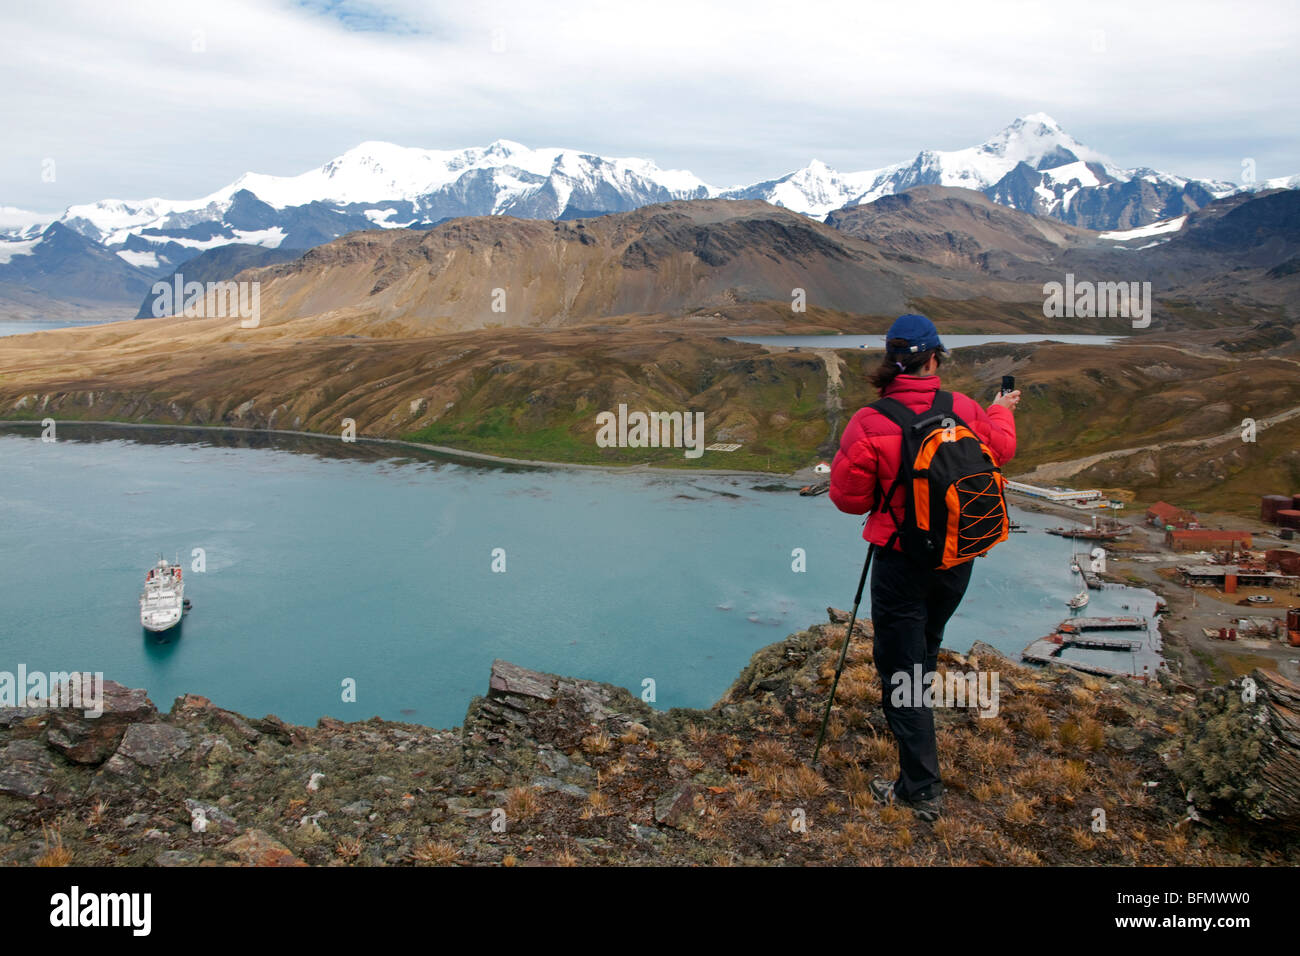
x: 1284, y: 559
x: 1270, y: 505
x: 1289, y: 518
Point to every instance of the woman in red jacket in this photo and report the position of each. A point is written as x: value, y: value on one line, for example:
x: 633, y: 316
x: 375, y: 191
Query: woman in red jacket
x: 909, y: 604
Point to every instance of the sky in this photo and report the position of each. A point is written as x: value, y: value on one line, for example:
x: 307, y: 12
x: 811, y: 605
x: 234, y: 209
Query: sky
x: 111, y: 99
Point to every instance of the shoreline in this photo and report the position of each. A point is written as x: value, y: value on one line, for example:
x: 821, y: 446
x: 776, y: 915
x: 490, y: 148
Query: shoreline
x: 445, y: 450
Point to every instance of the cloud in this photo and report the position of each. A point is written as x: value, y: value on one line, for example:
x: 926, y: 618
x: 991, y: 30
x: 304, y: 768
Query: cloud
x: 178, y: 99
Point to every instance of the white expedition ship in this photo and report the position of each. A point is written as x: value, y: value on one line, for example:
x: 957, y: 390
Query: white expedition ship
x: 163, y: 602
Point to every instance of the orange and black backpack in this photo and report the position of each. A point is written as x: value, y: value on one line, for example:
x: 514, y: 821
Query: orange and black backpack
x: 954, y: 507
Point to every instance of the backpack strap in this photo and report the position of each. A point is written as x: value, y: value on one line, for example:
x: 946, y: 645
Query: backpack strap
x: 903, y: 417
x: 940, y: 409
x: 895, y: 411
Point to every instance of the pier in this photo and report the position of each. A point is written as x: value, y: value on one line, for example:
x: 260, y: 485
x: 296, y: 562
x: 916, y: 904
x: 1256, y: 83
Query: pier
x: 1078, y: 633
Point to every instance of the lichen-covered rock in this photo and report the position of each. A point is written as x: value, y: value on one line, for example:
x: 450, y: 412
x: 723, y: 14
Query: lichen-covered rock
x: 147, y: 745
x: 25, y: 769
x: 257, y: 848
x: 1240, y: 748
x: 92, y: 740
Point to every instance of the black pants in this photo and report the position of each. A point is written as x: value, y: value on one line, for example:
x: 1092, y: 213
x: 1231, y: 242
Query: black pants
x: 909, y: 608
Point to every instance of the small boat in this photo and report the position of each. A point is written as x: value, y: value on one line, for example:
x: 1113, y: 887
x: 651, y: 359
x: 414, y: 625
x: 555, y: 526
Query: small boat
x: 817, y: 488
x: 162, y: 604
x: 1260, y: 599
x: 1080, y: 599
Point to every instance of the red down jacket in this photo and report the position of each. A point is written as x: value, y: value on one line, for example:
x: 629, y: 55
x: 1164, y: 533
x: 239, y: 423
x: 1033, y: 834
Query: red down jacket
x: 871, y: 446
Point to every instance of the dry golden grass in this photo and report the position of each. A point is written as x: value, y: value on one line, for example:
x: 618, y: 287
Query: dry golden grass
x: 892, y: 813
x: 856, y: 778
x: 835, y: 727
x: 902, y: 838
x: 522, y: 803
x: 1039, y: 726
x: 992, y: 726
x: 768, y: 778
x: 803, y: 783
x: 436, y: 852
x: 950, y: 828
x: 881, y: 749
x: 696, y: 734
x: 771, y: 751
x: 97, y: 814
x: 1034, y: 775
x: 510, y: 860
x: 990, y: 754
x: 861, y: 801
x: 56, y: 854
x: 348, y: 848
x: 1069, y: 734
x: 858, y: 836
x: 1093, y: 734
x: 772, y: 816
x: 1082, y: 838
x: 1022, y: 811
x: 618, y: 767
x: 1075, y: 775
x: 1021, y: 856
x: 566, y: 858
x: 597, y: 743
x: 598, y: 805
x: 988, y: 790
x: 744, y: 800
x: 732, y: 747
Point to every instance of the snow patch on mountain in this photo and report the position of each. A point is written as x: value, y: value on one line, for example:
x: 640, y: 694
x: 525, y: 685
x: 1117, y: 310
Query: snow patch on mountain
x: 17, y: 247
x: 1143, y: 232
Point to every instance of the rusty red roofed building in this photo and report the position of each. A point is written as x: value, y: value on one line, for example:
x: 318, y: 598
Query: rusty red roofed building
x: 1203, y: 539
x: 1162, y: 514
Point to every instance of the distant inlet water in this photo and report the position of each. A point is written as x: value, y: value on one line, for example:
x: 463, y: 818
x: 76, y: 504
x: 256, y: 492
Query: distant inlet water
x: 408, y: 573
x: 26, y: 326
x: 951, y: 341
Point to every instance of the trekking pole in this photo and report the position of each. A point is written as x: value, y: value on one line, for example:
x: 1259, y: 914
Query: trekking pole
x: 844, y: 653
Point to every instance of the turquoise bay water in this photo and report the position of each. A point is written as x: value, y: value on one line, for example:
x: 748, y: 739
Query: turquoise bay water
x: 379, y: 569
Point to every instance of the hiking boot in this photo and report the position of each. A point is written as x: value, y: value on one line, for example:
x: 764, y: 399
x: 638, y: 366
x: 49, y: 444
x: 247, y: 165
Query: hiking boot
x: 928, y: 810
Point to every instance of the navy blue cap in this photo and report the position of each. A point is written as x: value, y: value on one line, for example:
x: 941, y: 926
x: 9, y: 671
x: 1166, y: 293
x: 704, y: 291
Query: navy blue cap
x: 920, y: 333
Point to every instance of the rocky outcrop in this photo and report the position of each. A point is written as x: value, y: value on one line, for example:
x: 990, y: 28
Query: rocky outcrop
x: 1241, y: 749
x: 90, y: 739
x: 550, y: 769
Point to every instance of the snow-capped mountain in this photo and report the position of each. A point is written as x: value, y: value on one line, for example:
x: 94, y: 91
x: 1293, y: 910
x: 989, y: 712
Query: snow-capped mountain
x: 1032, y: 165
x: 379, y: 185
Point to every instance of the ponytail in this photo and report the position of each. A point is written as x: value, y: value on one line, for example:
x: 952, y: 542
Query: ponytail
x: 899, y: 361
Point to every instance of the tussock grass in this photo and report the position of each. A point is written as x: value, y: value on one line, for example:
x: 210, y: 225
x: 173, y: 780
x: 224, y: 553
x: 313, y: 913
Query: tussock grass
x: 436, y: 852
x: 522, y: 803
x: 56, y: 854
